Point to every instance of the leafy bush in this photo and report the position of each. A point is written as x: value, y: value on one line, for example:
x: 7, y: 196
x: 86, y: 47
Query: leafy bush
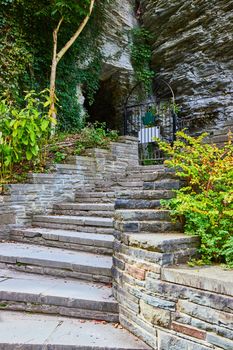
x: 205, y: 204
x: 24, y: 132
x: 95, y: 135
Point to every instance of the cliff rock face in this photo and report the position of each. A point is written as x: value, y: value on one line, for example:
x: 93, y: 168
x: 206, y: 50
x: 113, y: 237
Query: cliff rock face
x: 117, y: 72
x: 120, y: 19
x: 193, y: 50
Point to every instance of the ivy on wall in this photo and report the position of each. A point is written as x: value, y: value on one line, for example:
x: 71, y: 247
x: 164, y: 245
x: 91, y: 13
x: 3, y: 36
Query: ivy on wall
x: 141, y: 53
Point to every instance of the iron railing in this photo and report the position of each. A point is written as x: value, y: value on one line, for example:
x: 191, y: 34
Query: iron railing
x: 148, y: 121
x: 156, y: 117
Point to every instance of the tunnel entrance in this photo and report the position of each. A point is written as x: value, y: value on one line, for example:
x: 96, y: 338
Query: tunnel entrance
x: 103, y: 108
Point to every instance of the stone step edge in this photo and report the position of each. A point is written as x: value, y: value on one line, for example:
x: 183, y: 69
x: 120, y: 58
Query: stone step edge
x: 46, y: 298
x: 48, y: 265
x: 171, y: 242
x: 47, y: 309
x: 85, y: 206
x: 76, y: 220
x: 73, y: 236
x: 91, y: 240
x: 69, y: 333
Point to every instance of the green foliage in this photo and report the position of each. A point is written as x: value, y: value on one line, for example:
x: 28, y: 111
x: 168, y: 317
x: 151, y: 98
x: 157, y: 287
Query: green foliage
x: 228, y: 252
x: 26, y: 51
x: 24, y: 132
x: 69, y: 76
x: 95, y: 135
x: 59, y: 157
x: 205, y: 204
x: 141, y: 53
x: 15, y: 55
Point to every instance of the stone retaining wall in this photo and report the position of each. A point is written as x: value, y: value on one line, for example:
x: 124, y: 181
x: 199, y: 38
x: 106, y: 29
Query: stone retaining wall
x: 98, y: 169
x: 172, y: 308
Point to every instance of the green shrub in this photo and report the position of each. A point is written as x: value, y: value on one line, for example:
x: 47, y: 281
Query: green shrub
x: 205, y: 204
x: 95, y: 135
x: 24, y: 132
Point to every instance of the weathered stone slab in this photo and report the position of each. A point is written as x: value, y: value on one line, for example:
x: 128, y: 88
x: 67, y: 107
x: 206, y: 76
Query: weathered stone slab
x: 210, y: 315
x: 155, y: 316
x: 7, y: 218
x: 221, y: 342
x: 210, y: 278
x: 58, y: 258
x: 169, y: 341
x: 166, y: 242
x: 58, y: 333
x: 75, y: 220
x: 173, y: 291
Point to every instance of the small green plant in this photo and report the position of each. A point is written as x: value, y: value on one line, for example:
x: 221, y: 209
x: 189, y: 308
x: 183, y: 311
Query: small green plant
x: 3, y: 305
x: 24, y: 132
x: 205, y: 204
x: 59, y: 157
x: 228, y: 252
x: 95, y: 135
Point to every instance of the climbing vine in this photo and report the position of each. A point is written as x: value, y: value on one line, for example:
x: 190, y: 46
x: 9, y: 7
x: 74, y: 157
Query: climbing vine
x: 141, y: 54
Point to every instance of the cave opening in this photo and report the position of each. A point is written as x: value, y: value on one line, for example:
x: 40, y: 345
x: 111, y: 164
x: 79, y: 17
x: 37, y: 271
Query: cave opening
x: 103, y: 108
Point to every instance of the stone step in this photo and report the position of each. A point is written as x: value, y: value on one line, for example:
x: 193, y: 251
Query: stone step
x: 50, y: 295
x: 152, y: 175
x: 86, y: 206
x: 56, y: 262
x: 163, y: 242
x: 145, y: 169
x: 84, y: 209
x: 166, y: 184
x: 157, y: 226
x: 135, y: 202
x: 34, y: 332
x: 78, y: 223
x: 130, y: 184
x: 159, y: 175
x: 142, y: 215
x: 95, y: 197
x: 164, y: 249
x: 72, y: 240
x: 142, y: 195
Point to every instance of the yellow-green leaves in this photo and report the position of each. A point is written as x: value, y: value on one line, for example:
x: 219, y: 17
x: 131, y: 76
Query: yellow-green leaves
x: 205, y: 205
x: 23, y: 132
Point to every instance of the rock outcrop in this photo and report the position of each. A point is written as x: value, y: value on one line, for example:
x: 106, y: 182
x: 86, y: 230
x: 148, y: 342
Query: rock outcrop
x: 192, y: 49
x: 120, y: 19
x: 117, y: 71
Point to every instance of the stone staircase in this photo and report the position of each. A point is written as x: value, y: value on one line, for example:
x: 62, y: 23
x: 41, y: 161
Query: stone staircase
x: 60, y: 266
x: 140, y: 222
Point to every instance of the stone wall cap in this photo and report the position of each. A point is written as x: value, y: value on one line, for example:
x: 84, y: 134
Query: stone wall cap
x: 128, y: 138
x: 210, y: 278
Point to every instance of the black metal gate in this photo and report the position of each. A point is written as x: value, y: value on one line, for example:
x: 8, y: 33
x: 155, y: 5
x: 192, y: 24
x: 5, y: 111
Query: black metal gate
x: 156, y: 117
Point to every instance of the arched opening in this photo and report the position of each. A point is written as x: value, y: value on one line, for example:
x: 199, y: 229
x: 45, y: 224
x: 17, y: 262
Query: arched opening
x: 103, y: 109
x: 148, y: 117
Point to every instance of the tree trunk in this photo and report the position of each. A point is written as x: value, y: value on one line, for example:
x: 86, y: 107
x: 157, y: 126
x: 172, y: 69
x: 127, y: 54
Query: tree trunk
x: 52, y: 109
x: 58, y: 56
